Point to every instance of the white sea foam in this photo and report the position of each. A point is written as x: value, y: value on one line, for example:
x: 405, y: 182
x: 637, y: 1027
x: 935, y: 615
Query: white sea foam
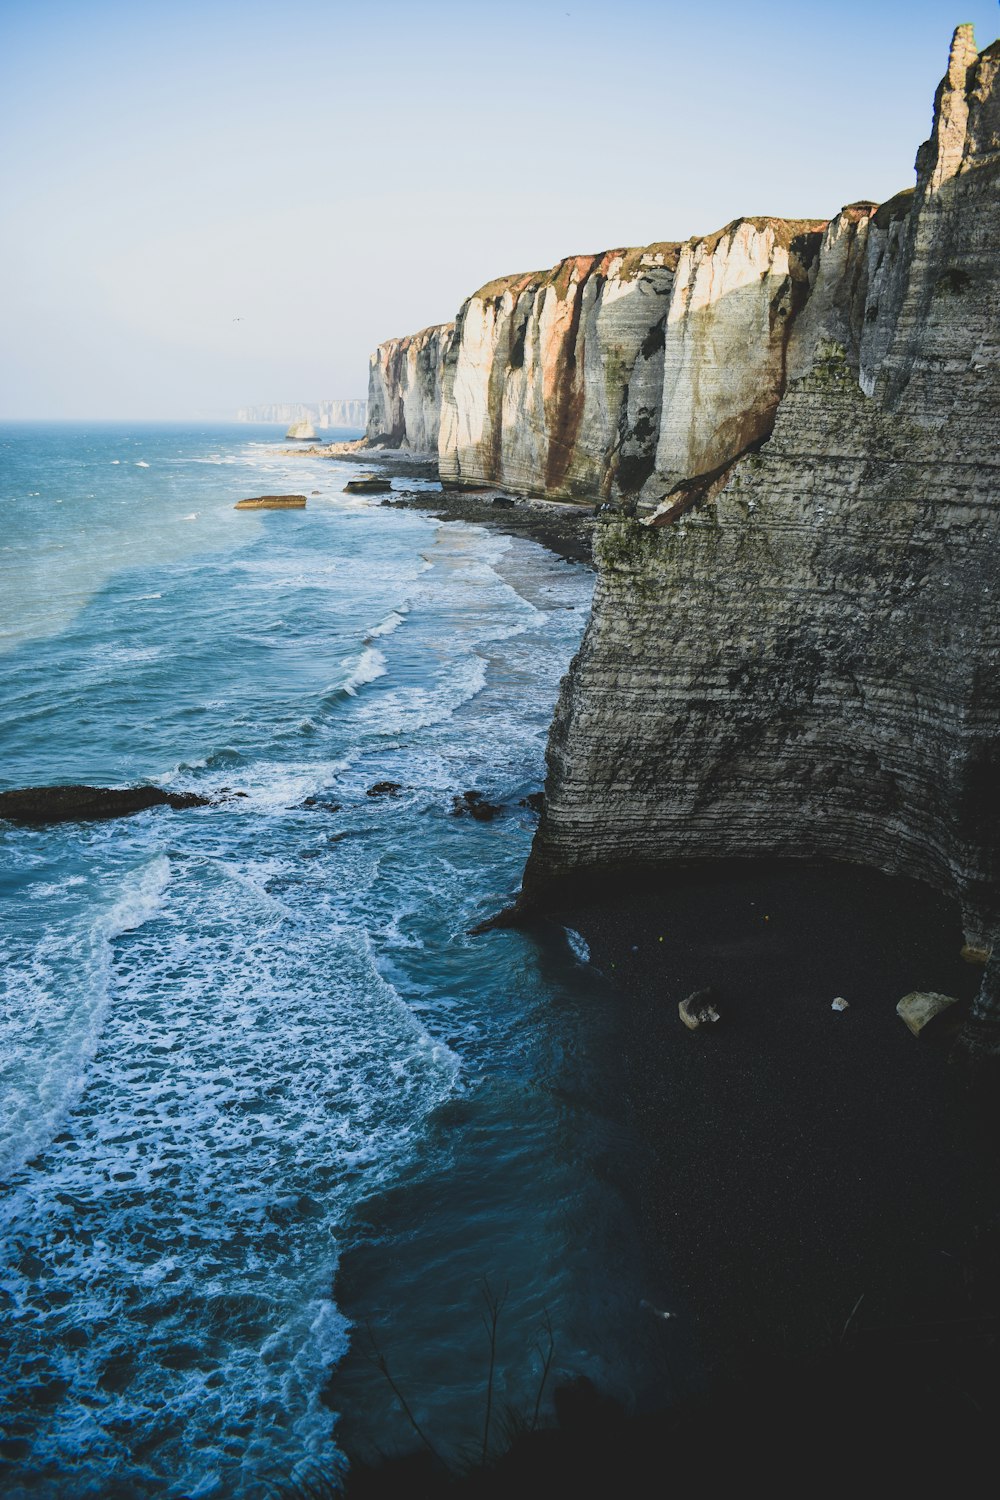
x: 368, y: 667
x: 257, y: 1074
x: 50, y: 1027
x: 389, y: 624
x: 581, y: 950
x: 141, y: 464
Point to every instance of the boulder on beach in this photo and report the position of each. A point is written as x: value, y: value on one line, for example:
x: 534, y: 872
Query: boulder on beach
x: 272, y: 502
x: 698, y: 1009
x: 920, y: 1007
x: 71, y: 804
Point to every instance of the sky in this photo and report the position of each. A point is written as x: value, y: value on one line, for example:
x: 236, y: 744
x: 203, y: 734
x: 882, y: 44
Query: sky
x: 217, y: 204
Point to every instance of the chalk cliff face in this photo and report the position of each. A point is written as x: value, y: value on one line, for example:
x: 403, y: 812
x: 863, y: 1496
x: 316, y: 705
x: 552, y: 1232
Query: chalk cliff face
x: 794, y: 649
x: 404, y: 390
x: 320, y: 413
x: 805, y: 661
x: 536, y: 380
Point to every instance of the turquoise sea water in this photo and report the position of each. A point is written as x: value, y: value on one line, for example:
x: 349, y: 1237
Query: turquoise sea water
x: 258, y: 1086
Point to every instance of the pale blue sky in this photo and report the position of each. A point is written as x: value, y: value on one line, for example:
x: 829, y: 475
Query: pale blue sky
x: 333, y: 174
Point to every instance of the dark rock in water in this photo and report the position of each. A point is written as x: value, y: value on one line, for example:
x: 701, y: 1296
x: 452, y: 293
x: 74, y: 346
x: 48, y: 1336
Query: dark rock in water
x: 385, y: 789
x: 368, y: 485
x: 534, y: 800
x: 476, y: 806
x: 272, y: 502
x: 71, y: 804
x: 330, y: 807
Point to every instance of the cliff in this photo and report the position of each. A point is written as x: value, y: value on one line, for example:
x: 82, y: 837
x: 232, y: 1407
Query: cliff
x: 804, y: 663
x: 321, y: 413
x: 794, y: 644
x: 404, y: 390
x: 537, y: 379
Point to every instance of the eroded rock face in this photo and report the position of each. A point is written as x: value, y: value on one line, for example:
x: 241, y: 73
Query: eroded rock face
x: 733, y: 306
x: 804, y: 662
x: 552, y: 382
x: 404, y: 390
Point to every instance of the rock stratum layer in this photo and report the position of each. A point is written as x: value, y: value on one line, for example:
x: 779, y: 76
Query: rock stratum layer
x: 794, y: 644
x: 404, y: 390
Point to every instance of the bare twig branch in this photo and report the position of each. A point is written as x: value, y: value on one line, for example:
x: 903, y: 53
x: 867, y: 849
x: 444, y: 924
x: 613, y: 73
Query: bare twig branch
x: 380, y: 1362
x: 850, y: 1318
x: 546, y: 1358
x: 494, y: 1307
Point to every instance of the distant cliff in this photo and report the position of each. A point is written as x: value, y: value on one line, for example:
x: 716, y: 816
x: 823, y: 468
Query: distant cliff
x: 794, y: 649
x: 404, y: 390
x: 319, y: 413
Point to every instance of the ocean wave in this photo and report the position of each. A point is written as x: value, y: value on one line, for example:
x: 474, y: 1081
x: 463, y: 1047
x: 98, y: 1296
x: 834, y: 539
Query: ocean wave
x: 368, y: 667
x: 52, y: 1022
x: 389, y: 624
x: 578, y: 945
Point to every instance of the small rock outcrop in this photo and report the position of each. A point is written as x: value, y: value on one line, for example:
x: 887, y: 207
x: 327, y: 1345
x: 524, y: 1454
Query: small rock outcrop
x: 74, y: 804
x: 476, y: 806
x: 367, y: 484
x: 698, y: 1010
x: 272, y: 502
x: 302, y: 430
x: 919, y: 1008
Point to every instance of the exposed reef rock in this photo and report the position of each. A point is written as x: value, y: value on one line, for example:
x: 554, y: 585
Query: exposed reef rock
x: 272, y: 502
x: 791, y: 428
x: 404, y: 390
x: 72, y: 804
x: 368, y: 484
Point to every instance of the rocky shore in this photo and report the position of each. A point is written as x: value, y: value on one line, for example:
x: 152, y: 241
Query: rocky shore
x: 815, y: 1188
x: 565, y: 527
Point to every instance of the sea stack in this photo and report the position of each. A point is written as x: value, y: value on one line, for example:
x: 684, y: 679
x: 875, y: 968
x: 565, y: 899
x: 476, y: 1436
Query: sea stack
x: 302, y: 430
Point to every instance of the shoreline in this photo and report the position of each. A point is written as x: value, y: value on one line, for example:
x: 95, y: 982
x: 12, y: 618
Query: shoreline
x: 564, y: 527
x: 816, y: 1199
x: 816, y: 1184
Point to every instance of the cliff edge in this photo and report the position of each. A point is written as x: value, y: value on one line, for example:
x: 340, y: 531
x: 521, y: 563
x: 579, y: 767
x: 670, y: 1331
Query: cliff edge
x: 802, y: 662
x: 792, y: 428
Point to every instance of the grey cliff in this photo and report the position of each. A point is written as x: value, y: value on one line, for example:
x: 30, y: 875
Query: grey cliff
x: 794, y: 650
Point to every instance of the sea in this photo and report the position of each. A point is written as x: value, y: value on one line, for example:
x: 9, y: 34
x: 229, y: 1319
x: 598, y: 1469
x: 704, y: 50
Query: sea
x: 280, y: 1140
